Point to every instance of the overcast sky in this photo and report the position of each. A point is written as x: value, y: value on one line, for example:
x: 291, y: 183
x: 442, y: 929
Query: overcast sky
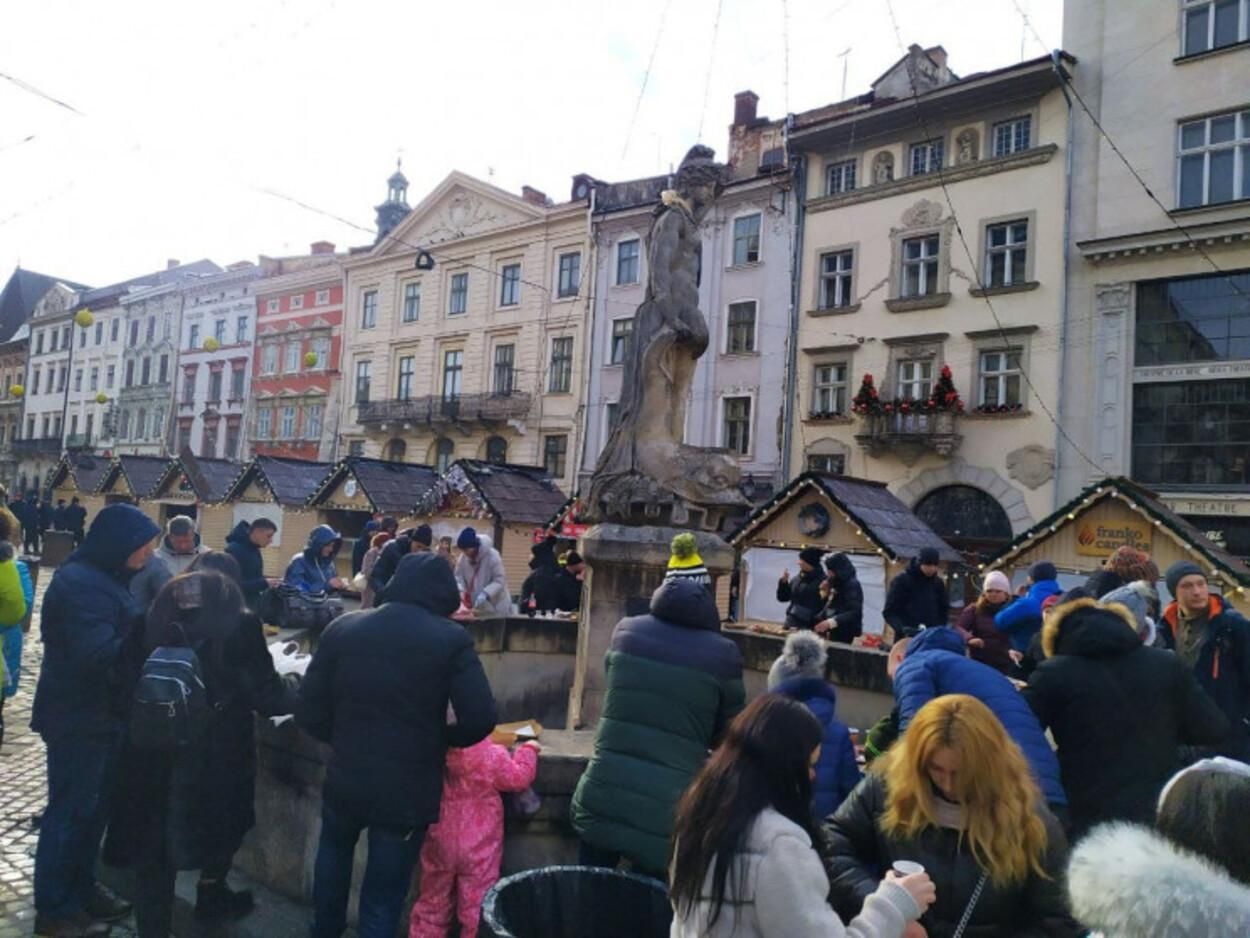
x: 175, y: 125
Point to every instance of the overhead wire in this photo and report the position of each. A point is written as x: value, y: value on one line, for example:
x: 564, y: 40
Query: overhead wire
x: 646, y: 77
x: 711, y: 62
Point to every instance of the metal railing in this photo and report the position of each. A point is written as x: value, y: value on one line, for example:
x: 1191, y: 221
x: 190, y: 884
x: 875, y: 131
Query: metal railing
x: 465, y: 408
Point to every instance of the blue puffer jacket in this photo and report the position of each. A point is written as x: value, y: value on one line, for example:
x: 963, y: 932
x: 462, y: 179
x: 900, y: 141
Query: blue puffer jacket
x: 308, y: 571
x: 87, y: 610
x: 13, y: 638
x: 935, y: 665
x: 1023, y: 618
x: 837, y: 772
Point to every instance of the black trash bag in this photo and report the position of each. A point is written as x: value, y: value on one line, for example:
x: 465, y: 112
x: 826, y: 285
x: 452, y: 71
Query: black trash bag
x: 577, y: 902
x: 290, y: 608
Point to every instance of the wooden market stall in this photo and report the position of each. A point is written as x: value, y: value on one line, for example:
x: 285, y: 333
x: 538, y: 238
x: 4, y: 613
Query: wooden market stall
x: 512, y: 504
x: 1111, y: 513
x: 834, y: 513
x: 195, y: 486
x: 278, y: 489
x: 78, y: 475
x: 133, y: 479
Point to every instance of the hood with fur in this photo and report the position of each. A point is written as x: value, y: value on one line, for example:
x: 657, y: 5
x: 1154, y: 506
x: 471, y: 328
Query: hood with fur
x: 1129, y: 882
x: 1089, y: 628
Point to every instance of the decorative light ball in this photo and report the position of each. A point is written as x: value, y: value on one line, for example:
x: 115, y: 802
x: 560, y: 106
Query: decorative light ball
x: 101, y: 398
x: 310, y: 359
x: 84, y: 318
x: 211, y: 344
x: 17, y: 390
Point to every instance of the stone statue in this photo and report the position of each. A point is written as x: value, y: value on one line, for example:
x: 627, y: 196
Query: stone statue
x: 966, y: 143
x: 883, y: 167
x: 646, y: 474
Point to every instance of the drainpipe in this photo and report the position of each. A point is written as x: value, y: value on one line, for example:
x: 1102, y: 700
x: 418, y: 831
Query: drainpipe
x: 788, y: 411
x: 1064, y: 307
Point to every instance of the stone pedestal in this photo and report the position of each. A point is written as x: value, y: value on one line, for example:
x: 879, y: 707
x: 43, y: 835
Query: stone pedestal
x: 624, y: 565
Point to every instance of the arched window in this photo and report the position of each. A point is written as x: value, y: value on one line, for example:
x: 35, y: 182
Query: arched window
x: 967, y: 518
x: 443, y: 455
x: 395, y: 451
x: 497, y: 450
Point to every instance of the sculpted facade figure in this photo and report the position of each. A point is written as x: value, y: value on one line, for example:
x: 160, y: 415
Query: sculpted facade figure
x: 646, y: 474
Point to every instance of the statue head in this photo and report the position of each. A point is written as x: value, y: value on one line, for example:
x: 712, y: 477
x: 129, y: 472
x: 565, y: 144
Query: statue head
x: 700, y: 178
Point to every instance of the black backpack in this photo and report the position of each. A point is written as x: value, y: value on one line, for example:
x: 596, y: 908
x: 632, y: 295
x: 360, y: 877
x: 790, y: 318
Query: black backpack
x: 291, y: 608
x: 171, y: 705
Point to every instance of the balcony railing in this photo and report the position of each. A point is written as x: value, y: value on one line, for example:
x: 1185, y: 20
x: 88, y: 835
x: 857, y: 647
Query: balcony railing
x: 45, y: 444
x: 467, y: 408
x: 909, y: 435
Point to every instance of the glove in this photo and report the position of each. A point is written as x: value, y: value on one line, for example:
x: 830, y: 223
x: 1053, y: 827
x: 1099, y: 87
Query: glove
x: 482, y: 599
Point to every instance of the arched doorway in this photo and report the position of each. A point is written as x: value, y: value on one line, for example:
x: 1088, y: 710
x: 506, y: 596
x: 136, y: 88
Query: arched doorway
x: 970, y: 520
x: 497, y: 450
x: 395, y: 450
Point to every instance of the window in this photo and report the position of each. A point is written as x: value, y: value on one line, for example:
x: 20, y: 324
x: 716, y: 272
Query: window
x: 240, y: 330
x: 1215, y: 160
x: 497, y: 450
x: 444, y: 454
x: 453, y: 369
x: 927, y: 157
x: 62, y: 378
x: 47, y: 426
x: 510, y: 285
x: 746, y: 240
x: 82, y: 338
x: 39, y: 343
x: 73, y: 425
x: 555, y: 453
x: 150, y: 333
x: 90, y: 426
x: 915, y: 379
x: 232, y: 439
x: 505, y: 369
x: 193, y: 337
x: 65, y: 337
x: 403, y: 385
x: 268, y: 359
x: 321, y: 348
x: 130, y: 373
x: 458, y: 299
x: 840, y: 177
x: 829, y: 389
x: 613, y: 409
x: 570, y: 275
x: 395, y: 451
x: 1192, y: 433
x: 271, y: 306
x: 323, y: 297
x: 286, y: 429
x: 622, y: 340
x: 99, y: 331
x: 214, y: 386
x: 836, y: 279
x: 741, y: 326
x: 264, y: 423
x: 1193, y: 319
x: 1005, y: 253
x: 134, y: 332
x: 77, y: 380
x: 356, y: 448
x: 736, y: 430
x: 363, y: 378
x: 141, y: 424
x: 146, y: 372
x: 1000, y: 380
x: 1212, y: 24
x: 627, y: 258
x: 184, y: 436
x: 188, y: 386
x: 110, y: 376
x: 208, y: 442
x: 52, y: 379
x: 829, y: 463
x: 561, y: 365
x: 290, y: 354
x: 312, y: 422
x: 237, y: 377
x: 163, y: 369
x: 114, y: 329
x: 34, y: 384
x: 124, y: 425
x: 369, y: 309
x: 920, y: 266
x: 296, y: 302
x: 412, y: 302
x: 1013, y: 136
x: 93, y: 383
x: 167, y: 325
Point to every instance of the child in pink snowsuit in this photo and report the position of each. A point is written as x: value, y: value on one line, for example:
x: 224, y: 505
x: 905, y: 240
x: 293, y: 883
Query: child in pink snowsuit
x: 462, y: 851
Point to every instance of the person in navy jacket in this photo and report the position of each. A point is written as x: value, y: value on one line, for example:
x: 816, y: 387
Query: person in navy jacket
x: 1023, y: 618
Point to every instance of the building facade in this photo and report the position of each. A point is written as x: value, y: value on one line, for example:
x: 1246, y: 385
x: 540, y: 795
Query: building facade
x: 96, y: 374
x: 46, y: 384
x: 13, y: 354
x: 215, y: 344
x: 1157, y: 370
x: 924, y: 358
x: 465, y: 331
x: 294, y: 401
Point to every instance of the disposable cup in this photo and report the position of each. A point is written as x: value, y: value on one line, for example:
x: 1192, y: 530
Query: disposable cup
x: 907, y: 867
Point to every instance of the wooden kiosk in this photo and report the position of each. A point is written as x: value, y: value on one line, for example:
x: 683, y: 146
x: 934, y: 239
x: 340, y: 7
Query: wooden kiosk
x: 133, y: 480
x: 195, y: 486
x: 79, y: 476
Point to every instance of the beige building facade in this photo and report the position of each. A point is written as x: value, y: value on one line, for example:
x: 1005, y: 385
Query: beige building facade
x: 465, y: 329
x: 921, y: 362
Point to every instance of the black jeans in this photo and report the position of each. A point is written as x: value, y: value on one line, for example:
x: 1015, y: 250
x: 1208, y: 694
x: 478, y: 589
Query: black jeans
x: 393, y: 855
x: 154, y: 893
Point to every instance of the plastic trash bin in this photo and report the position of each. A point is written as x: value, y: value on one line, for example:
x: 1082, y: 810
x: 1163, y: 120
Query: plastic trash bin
x: 577, y: 902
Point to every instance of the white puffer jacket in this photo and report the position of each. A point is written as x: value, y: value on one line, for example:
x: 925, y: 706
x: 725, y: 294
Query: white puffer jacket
x: 485, y: 576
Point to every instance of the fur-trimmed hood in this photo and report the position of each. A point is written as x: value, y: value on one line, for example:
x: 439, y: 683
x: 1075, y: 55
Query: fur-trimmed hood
x: 1089, y: 628
x: 1129, y: 882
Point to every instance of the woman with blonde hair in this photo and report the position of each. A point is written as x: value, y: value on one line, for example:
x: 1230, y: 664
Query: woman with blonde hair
x: 955, y: 795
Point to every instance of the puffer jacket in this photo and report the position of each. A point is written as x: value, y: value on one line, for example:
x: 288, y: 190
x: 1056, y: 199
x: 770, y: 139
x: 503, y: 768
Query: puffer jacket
x: 251, y: 564
x: 803, y: 594
x: 485, y: 575
x: 1023, y: 618
x: 1119, y: 712
x: 935, y: 666
x: 914, y: 600
x: 837, y: 772
x: 310, y: 572
x: 87, y: 611
x: 846, y: 604
x: 673, y: 684
x: 1127, y: 881
x: 162, y: 566
x: 977, y: 620
x: 858, y: 853
x: 393, y: 551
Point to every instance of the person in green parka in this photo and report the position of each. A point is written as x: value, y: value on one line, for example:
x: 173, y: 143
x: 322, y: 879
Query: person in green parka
x: 674, y: 683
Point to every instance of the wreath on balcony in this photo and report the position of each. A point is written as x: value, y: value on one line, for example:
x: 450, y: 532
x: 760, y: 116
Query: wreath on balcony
x: 943, y: 398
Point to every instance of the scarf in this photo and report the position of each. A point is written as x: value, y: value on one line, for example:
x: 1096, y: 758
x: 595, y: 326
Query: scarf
x: 1191, y: 632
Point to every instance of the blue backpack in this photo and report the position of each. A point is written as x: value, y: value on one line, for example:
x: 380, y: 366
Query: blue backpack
x: 171, y: 706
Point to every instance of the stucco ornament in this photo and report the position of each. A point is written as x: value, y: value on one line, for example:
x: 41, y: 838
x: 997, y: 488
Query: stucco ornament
x: 1032, y: 466
x: 923, y: 214
x: 646, y: 474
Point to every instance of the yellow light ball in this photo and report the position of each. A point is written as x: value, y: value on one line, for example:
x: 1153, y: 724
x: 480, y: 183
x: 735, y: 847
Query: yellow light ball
x: 211, y: 344
x: 310, y: 359
x: 17, y: 390
x: 101, y: 398
x: 84, y: 318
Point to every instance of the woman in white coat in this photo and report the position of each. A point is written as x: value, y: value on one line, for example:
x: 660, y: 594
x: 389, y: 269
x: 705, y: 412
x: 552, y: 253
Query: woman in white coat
x: 480, y: 575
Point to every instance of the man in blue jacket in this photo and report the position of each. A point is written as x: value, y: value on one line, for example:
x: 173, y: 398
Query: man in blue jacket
x: 87, y: 610
x: 933, y: 664
x: 1023, y: 618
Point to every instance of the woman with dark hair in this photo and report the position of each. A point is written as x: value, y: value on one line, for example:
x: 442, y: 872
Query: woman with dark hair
x: 742, y: 861
x: 192, y: 810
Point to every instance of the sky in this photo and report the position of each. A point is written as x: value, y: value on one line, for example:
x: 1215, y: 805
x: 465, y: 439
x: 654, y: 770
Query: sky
x: 135, y: 131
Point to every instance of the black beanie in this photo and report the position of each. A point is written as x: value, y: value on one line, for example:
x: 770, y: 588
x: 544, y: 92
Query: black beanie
x: 423, y: 535
x: 928, y: 555
x: 1043, y: 570
x: 1178, y: 571
x: 811, y: 556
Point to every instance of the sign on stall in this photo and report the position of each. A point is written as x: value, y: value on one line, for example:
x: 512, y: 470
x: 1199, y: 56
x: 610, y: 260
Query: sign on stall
x: 1098, y: 540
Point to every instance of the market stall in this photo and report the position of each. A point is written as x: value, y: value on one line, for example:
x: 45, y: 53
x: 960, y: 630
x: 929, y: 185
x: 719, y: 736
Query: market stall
x: 133, y: 480
x: 78, y: 475
x: 194, y: 487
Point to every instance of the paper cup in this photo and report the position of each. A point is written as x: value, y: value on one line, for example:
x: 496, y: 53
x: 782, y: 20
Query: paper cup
x: 906, y: 867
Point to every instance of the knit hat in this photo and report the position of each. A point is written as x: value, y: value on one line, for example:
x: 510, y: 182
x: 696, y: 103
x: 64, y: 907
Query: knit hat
x: 684, y: 545
x: 1043, y: 570
x: 802, y: 657
x: 468, y: 539
x: 996, y: 580
x: 928, y: 556
x: 811, y: 556
x: 1179, y: 570
x: 423, y: 534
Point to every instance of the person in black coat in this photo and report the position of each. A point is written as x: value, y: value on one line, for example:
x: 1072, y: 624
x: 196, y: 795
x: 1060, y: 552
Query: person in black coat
x: 917, y: 596
x: 538, y: 592
x: 568, y: 583
x: 413, y: 541
x: 30, y: 523
x: 844, y: 615
x: 46, y: 513
x: 804, y: 593
x: 191, y: 810
x: 377, y: 690
x: 58, y: 516
x: 244, y: 544
x: 76, y: 520
x: 1118, y: 711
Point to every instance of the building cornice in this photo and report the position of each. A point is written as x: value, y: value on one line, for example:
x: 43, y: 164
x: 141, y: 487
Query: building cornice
x: 325, y: 275
x: 1177, y: 239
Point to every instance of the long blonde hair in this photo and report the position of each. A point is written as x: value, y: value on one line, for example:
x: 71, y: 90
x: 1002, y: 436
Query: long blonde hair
x: 995, y: 787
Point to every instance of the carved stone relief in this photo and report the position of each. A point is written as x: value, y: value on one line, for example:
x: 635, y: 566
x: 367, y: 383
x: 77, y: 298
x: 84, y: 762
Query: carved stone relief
x: 883, y: 167
x: 1112, y: 302
x: 967, y: 146
x: 922, y: 215
x: 1031, y: 465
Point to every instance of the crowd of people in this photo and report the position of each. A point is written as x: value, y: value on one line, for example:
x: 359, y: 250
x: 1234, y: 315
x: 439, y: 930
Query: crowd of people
x: 37, y: 516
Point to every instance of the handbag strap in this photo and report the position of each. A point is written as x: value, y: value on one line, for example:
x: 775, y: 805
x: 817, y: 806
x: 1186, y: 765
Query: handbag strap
x: 972, y: 904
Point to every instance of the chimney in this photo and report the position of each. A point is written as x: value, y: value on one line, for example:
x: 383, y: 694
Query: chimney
x: 938, y: 54
x: 534, y: 196
x: 172, y: 263
x: 322, y: 247
x: 744, y: 107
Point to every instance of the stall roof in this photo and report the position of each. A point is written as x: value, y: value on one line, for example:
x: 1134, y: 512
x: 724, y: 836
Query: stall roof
x: 209, y: 478
x: 292, y: 481
x: 87, y: 471
x: 391, y: 487
x: 142, y: 473
x: 1145, y: 501
x: 513, y: 494
x: 878, y: 512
